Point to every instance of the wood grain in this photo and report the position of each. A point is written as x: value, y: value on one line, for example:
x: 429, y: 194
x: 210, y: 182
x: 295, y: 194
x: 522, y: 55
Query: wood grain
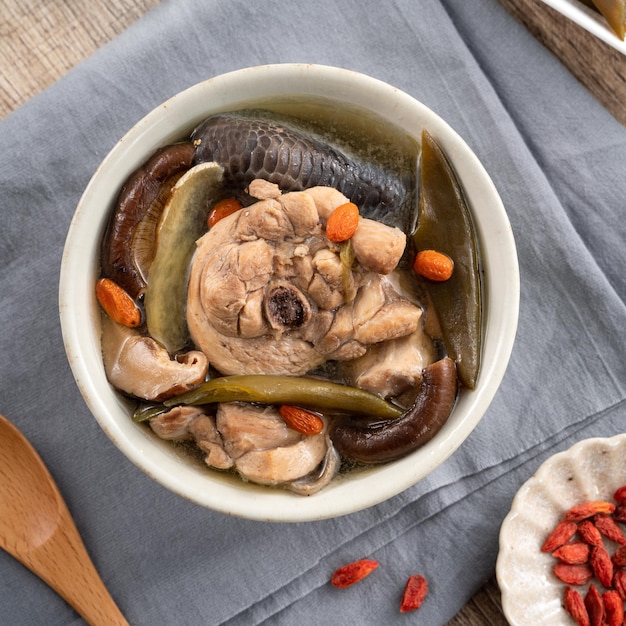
x: 38, y: 530
x: 40, y: 40
x: 598, y: 66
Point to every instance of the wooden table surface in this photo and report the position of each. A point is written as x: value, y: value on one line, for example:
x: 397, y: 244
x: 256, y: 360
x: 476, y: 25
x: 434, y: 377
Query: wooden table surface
x: 41, y: 40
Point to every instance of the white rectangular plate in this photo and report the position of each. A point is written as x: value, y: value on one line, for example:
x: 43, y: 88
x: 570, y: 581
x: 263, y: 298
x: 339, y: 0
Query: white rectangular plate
x: 588, y: 19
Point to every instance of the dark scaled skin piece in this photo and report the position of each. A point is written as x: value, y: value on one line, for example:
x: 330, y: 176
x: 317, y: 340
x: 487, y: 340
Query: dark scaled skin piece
x: 252, y: 145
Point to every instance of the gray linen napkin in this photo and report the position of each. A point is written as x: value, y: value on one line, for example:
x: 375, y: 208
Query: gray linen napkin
x: 557, y: 159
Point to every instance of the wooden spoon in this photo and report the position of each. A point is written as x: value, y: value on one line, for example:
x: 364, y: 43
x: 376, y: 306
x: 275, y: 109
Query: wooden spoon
x: 37, y: 528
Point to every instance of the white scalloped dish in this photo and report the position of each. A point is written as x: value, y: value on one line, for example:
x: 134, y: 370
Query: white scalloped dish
x: 590, y: 470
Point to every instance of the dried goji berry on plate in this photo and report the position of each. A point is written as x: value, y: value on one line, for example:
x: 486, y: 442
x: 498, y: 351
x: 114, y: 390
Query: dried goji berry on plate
x: 594, y: 606
x: 619, y: 583
x: 573, y: 574
x: 609, y: 528
x: 619, y: 515
x: 589, y: 533
x: 619, y: 557
x: 414, y: 593
x: 613, y: 608
x: 587, y: 509
x: 575, y: 553
x: 575, y: 606
x: 602, y: 566
x: 351, y: 573
x: 561, y: 534
x: 620, y: 495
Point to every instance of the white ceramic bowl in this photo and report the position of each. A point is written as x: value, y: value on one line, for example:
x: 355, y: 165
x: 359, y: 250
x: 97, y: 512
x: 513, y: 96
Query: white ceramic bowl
x: 80, y: 315
x: 592, y: 469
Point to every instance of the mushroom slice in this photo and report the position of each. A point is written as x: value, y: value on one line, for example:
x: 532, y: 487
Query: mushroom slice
x: 141, y: 367
x: 318, y: 479
x: 182, y: 222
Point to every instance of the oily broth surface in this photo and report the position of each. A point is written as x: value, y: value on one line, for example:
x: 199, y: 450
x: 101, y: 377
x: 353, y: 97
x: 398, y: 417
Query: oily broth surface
x: 349, y: 127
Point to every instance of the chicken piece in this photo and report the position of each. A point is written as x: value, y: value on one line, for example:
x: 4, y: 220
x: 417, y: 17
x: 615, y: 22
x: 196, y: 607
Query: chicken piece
x: 263, y: 189
x: 301, y: 211
x: 396, y: 319
x: 269, y: 294
x: 174, y: 425
x: 326, y: 199
x: 260, y: 446
x: 247, y: 427
x: 394, y: 367
x: 209, y: 440
x: 378, y: 247
x: 281, y: 465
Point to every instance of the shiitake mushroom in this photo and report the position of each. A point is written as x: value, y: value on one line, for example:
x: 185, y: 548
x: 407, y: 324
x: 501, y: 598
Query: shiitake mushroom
x: 147, y: 186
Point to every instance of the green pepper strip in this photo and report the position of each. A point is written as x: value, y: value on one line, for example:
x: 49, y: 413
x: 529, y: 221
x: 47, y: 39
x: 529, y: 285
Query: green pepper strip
x: 265, y: 389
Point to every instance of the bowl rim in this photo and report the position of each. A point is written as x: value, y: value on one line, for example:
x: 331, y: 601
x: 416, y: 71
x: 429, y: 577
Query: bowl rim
x: 78, y: 309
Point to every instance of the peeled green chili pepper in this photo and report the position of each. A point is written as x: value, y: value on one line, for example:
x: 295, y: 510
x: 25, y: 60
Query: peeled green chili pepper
x: 445, y: 224
x: 311, y: 392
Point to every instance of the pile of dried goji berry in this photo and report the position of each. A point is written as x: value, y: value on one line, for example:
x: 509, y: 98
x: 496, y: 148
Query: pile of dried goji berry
x: 579, y: 543
x: 414, y: 591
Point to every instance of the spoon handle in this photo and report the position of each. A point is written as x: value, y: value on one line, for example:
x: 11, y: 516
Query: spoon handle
x: 62, y: 561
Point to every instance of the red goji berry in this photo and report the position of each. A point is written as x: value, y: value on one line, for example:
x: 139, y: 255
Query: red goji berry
x: 589, y: 533
x: 620, y: 495
x: 414, y: 593
x: 223, y: 209
x: 619, y: 557
x: 352, y: 573
x: 609, y: 528
x: 601, y: 564
x: 613, y: 608
x: 619, y: 515
x: 594, y: 606
x: 619, y: 583
x: 561, y: 534
x: 303, y: 421
x: 575, y: 606
x: 575, y: 553
x: 433, y: 265
x: 587, y: 509
x: 342, y: 222
x: 573, y: 574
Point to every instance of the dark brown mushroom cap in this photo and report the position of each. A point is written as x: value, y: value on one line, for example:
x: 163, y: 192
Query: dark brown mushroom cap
x: 142, y: 189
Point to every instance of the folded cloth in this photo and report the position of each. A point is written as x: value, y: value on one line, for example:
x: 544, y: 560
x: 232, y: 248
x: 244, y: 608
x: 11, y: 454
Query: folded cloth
x: 557, y: 158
